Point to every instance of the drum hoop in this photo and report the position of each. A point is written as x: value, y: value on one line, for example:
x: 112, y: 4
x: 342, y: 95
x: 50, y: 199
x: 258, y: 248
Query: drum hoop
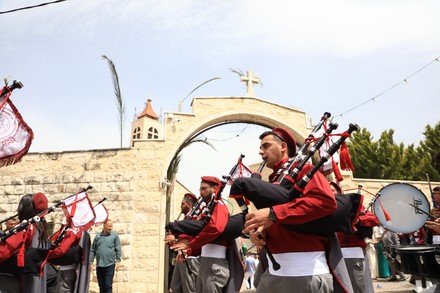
x: 424, y: 248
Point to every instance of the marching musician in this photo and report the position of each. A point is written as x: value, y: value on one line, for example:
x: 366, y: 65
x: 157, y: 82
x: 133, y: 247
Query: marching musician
x: 70, y: 250
x: 213, y: 253
x: 12, y: 250
x: 433, y: 236
x: 182, y: 280
x: 353, y: 248
x: 302, y: 256
x: 434, y: 225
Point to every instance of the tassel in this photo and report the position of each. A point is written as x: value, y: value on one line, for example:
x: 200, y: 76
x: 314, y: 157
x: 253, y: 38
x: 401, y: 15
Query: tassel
x: 344, y: 158
x: 336, y: 171
x: 20, y: 257
x: 385, y: 213
x: 20, y: 254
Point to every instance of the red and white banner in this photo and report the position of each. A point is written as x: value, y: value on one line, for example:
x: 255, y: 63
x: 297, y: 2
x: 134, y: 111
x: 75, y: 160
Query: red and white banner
x: 79, y: 210
x: 15, y: 135
x: 240, y: 171
x: 101, y: 213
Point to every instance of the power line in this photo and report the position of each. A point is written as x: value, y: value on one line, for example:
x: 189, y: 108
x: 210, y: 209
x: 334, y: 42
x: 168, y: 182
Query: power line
x: 30, y: 7
x: 387, y: 90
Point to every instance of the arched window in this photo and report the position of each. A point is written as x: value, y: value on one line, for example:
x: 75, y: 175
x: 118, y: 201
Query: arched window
x: 152, y: 133
x: 137, y: 133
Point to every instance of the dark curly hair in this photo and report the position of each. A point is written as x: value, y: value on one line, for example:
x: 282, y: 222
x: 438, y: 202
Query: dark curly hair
x: 26, y: 211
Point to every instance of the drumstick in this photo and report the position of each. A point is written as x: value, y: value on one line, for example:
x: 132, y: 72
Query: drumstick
x: 430, y: 189
x: 426, y: 213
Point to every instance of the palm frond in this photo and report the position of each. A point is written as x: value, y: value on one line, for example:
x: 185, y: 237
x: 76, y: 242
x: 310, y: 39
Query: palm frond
x: 116, y: 86
x: 200, y: 85
x: 239, y: 72
x: 117, y: 90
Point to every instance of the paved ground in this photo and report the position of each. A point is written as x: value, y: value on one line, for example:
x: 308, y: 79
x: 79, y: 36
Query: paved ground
x: 380, y: 285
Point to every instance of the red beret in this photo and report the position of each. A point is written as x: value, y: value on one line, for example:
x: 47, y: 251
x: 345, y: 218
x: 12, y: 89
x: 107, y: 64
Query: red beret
x: 40, y: 202
x: 211, y: 180
x: 288, y: 138
x: 190, y: 197
x: 336, y: 186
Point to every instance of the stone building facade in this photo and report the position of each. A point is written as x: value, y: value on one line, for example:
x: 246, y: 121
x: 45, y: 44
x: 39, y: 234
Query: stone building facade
x: 134, y: 179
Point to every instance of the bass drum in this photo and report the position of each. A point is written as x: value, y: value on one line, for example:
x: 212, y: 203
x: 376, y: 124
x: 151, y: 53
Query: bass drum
x: 399, y: 208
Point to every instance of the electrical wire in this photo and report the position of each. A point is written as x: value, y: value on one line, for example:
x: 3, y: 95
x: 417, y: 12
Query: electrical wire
x: 387, y: 90
x: 30, y: 7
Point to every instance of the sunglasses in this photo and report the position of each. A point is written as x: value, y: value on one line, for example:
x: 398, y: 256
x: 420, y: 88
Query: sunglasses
x: 203, y: 187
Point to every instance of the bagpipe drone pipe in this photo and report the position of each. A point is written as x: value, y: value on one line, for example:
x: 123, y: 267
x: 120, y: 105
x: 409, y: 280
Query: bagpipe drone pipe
x: 265, y: 194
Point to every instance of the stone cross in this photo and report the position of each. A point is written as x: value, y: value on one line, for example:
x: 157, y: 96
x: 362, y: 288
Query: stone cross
x: 250, y: 79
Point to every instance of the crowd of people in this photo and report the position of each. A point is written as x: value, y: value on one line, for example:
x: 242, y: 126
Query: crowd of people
x: 32, y: 261
x: 292, y: 256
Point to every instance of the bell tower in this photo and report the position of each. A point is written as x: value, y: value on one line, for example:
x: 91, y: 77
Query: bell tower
x: 146, y: 126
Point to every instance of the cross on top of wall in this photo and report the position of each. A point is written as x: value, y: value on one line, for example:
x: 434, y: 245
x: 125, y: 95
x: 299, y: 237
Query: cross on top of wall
x: 250, y: 79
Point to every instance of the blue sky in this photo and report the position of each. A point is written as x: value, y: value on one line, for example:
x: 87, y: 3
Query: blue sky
x: 313, y: 55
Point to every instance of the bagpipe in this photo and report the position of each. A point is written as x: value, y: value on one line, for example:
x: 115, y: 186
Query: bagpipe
x: 37, y: 218
x: 34, y: 258
x: 200, y: 215
x: 23, y: 226
x: 265, y: 194
x: 31, y: 259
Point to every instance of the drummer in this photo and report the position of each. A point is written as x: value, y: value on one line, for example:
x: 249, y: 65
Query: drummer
x: 434, y: 225
x: 436, y: 204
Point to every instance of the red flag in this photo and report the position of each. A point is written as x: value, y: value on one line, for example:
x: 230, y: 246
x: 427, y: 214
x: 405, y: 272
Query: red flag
x: 15, y: 135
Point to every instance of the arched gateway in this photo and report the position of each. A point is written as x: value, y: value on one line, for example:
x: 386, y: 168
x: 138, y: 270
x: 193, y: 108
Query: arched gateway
x: 207, y: 112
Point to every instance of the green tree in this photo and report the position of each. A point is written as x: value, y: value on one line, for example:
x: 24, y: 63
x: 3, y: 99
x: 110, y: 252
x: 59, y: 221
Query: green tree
x: 428, y: 149
x: 119, y: 101
x: 388, y: 156
x: 362, y: 150
x: 385, y: 159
